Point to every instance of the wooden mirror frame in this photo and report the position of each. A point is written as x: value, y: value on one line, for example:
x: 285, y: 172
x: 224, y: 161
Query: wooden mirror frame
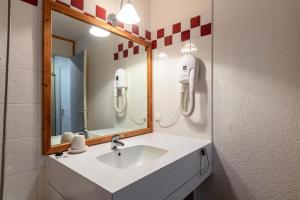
x: 50, y: 5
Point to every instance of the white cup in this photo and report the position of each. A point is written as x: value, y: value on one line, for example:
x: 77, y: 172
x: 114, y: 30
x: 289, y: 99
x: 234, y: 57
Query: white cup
x: 67, y: 137
x: 78, y: 142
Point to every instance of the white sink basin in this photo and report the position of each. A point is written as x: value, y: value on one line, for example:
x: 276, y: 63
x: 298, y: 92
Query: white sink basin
x: 131, y: 156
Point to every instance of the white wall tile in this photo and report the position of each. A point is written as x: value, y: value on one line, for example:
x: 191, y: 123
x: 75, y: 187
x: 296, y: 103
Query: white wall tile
x: 204, y: 46
x: 90, y: 8
x: 3, y: 35
x: 26, y: 19
x: 21, y: 186
x: 20, y: 155
x: 39, y: 48
x: 41, y: 159
x: 1, y: 121
x: 198, y: 125
x: 206, y: 18
x: 39, y: 119
x: 40, y: 4
x: 199, y: 6
x: 68, y: 2
x: 167, y: 89
x: 23, y: 52
x: 21, y: 120
x: 38, y: 86
x: 3, y: 15
x: 42, y: 188
x: 2, y: 84
x: 22, y: 86
x: 195, y: 33
x: 53, y: 195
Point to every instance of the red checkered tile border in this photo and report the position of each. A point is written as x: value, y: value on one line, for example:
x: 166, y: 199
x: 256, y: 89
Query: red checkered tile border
x: 124, y: 50
x: 189, y: 29
x: 33, y: 2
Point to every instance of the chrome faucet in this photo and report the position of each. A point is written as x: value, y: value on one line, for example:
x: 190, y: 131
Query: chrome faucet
x: 115, y: 142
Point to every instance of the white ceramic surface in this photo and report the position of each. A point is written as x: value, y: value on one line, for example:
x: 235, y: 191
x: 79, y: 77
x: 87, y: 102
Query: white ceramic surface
x: 67, y: 137
x: 78, y: 143
x: 132, y: 156
x: 113, y: 179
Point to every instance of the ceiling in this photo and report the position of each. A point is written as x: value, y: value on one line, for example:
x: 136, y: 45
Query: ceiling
x: 68, y: 27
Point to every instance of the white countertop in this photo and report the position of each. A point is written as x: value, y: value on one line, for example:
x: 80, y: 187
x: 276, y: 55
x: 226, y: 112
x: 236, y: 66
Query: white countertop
x: 113, y: 179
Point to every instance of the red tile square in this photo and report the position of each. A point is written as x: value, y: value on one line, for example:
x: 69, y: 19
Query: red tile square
x: 100, y: 12
x: 136, y: 50
x: 116, y: 56
x: 77, y: 4
x: 135, y: 29
x: 125, y: 53
x: 120, y: 24
x: 176, y: 28
x: 120, y: 47
x: 130, y: 44
x: 195, y: 21
x: 185, y: 35
x: 154, y: 44
x: 32, y: 2
x: 205, y: 29
x: 160, y: 33
x: 148, y: 35
x: 168, y: 40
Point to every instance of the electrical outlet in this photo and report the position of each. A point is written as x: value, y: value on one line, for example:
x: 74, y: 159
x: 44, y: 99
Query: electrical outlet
x: 203, y: 152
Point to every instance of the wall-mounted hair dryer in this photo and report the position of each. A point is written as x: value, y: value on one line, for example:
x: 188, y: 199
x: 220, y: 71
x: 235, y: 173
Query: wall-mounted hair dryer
x: 190, y: 73
x: 120, y: 87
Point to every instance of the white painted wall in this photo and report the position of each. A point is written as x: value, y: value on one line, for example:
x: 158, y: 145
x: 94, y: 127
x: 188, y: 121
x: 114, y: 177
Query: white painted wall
x: 256, y: 101
x: 100, y: 70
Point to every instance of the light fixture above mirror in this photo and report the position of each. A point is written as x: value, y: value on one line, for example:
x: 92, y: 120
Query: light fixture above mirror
x: 98, y: 32
x: 128, y: 14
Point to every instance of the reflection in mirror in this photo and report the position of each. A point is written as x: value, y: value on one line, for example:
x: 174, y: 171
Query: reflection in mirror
x: 99, y: 81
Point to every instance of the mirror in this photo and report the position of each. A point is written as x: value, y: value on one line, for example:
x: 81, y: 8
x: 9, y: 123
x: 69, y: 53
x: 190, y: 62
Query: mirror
x: 99, y: 82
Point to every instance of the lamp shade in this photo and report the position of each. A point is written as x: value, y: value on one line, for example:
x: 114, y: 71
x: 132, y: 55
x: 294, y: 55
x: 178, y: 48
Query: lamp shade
x: 128, y: 14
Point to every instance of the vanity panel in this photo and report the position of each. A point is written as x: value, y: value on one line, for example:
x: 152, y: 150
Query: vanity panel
x: 165, y: 182
x: 71, y: 185
x: 193, y: 183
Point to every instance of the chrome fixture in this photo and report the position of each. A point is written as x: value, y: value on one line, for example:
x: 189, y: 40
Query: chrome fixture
x: 115, y: 142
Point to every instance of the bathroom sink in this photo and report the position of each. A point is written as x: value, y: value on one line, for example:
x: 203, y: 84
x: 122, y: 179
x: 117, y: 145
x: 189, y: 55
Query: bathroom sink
x: 131, y: 156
